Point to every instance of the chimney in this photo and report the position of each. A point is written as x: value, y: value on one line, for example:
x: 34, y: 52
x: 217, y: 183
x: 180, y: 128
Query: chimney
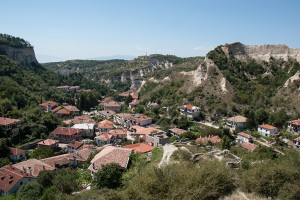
x: 44, y: 168
x: 94, y: 166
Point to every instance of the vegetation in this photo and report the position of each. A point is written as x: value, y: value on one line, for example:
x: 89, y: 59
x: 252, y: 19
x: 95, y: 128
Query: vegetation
x: 13, y: 41
x: 109, y: 176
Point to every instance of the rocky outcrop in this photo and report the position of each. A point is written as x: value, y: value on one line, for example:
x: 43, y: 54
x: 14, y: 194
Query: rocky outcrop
x: 262, y: 52
x: 23, y: 55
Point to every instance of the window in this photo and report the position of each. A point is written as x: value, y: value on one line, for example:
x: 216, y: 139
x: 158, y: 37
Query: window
x: 21, y: 183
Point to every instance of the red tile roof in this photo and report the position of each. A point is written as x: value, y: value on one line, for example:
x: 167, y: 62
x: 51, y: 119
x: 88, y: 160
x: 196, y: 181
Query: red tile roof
x: 48, y: 142
x: 204, y: 140
x: 245, y: 135
x: 72, y: 108
x: 189, y: 107
x: 10, y: 176
x: 33, y: 166
x: 295, y: 122
x: 62, y: 160
x: 112, y: 104
x: 139, y: 130
x: 66, y: 131
x: 117, y: 132
x: 237, y: 119
x: 105, y: 124
x: 297, y: 139
x: 268, y: 127
x: 139, y: 147
x: 248, y: 146
x: 63, y: 111
x: 15, y: 151
x: 4, y: 121
x: 104, y: 137
x: 109, y: 155
x: 75, y: 144
x: 46, y: 103
x: 178, y: 131
x: 134, y: 102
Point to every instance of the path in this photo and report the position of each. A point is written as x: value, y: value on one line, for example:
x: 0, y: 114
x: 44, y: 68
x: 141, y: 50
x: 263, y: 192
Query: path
x: 168, y: 151
x: 209, y: 124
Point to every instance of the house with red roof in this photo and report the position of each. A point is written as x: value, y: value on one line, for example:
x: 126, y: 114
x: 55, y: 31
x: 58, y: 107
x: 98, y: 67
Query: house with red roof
x: 66, y: 134
x: 107, y: 114
x: 108, y: 155
x: 74, y: 146
x: 267, y: 130
x: 105, y: 126
x: 139, y: 147
x: 177, y: 132
x: 244, y: 137
x: 48, y: 106
x: 248, y: 146
x: 294, y: 126
x: 48, y: 143
x: 236, y: 122
x: 112, y: 105
x: 189, y: 111
x: 10, y: 125
x: 119, y: 135
x: 103, y: 139
x: 213, y: 139
x: 12, y: 178
x: 33, y: 166
x: 16, y: 154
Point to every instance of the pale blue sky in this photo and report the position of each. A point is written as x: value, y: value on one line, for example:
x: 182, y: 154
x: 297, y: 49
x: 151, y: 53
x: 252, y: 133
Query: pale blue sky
x: 70, y: 29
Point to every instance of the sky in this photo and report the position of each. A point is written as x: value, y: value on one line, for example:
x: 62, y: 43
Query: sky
x: 77, y: 29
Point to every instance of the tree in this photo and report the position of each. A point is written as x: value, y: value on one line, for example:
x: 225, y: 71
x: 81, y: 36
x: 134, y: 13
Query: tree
x: 42, y: 152
x: 46, y: 178
x: 66, y: 181
x: 109, y: 176
x: 29, y: 191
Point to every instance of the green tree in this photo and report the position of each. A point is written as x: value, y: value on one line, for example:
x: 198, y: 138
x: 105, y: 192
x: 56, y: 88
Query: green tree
x: 29, y: 191
x: 66, y: 181
x: 41, y: 152
x: 109, y: 176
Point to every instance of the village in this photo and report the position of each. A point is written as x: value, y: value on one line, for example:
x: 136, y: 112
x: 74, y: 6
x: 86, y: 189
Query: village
x: 106, y: 135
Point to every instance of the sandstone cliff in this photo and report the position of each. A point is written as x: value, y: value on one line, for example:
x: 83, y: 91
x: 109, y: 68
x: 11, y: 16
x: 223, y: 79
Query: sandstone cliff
x: 262, y: 52
x: 23, y: 55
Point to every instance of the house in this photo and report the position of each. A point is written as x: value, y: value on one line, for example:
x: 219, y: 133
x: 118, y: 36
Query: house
x: 296, y: 141
x: 152, y: 105
x: 213, y: 139
x: 73, y: 110
x: 139, y: 147
x: 140, y: 119
x: 103, y: 139
x: 267, y: 130
x: 48, y: 143
x: 133, y: 104
x: 83, y: 119
x: 236, y: 122
x: 88, y: 129
x: 189, y: 111
x: 63, y: 87
x: 177, y: 132
x: 107, y: 114
x: 110, y: 154
x: 244, y: 137
x: 12, y: 178
x: 112, y: 105
x: 64, y: 160
x: 123, y: 119
x: 248, y: 146
x: 66, y: 134
x: 141, y: 132
x: 119, y: 135
x: 16, y: 154
x: 105, y: 126
x: 131, y: 93
x: 294, y: 126
x: 48, y: 106
x: 33, y: 166
x: 74, y: 146
x: 10, y: 125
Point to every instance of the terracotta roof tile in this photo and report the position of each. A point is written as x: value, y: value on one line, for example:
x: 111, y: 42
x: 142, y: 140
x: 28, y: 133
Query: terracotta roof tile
x: 66, y: 131
x: 267, y: 126
x: 75, y: 144
x: 109, y: 155
x: 46, y: 103
x: 178, y: 131
x: 48, y: 142
x: 15, y: 151
x: 248, y: 146
x: 8, y: 121
x: 237, y: 119
x: 245, y: 135
x: 105, y: 124
x: 295, y: 122
x: 104, y: 137
x: 139, y: 147
x: 33, y: 166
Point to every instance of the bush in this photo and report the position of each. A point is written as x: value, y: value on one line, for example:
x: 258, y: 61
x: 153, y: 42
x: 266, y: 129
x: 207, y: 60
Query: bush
x: 109, y: 176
